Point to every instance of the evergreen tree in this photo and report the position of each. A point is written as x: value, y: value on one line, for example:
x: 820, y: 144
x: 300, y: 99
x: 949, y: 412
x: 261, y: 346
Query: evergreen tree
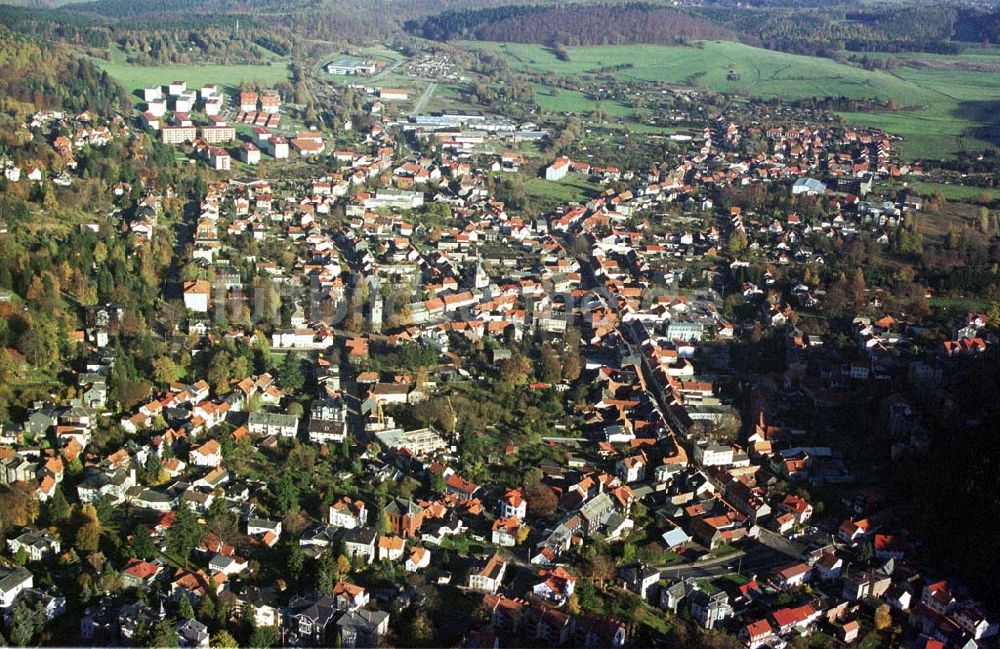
x: 165, y: 635
x: 141, y: 546
x: 184, y: 609
x: 287, y: 493
x: 57, y: 509
x: 263, y: 637
x: 22, y: 626
x: 290, y: 373
x: 184, y: 534
x: 326, y: 574
x: 295, y: 560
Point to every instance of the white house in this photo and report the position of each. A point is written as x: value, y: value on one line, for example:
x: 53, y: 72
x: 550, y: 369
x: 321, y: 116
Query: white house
x: 196, y: 294
x: 419, y: 558
x: 558, y: 169
x: 348, y: 513
x: 12, y: 582
x: 513, y: 504
x: 488, y: 578
x: 556, y: 586
x: 713, y: 454
x: 219, y: 159
x: 250, y: 153
x: 37, y: 544
x: 266, y: 423
x: 631, y: 469
x: 208, y: 454
x: 278, y: 147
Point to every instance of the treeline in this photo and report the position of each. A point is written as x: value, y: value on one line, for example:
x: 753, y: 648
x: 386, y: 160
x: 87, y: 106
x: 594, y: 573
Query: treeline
x: 50, y: 25
x: 50, y: 78
x: 464, y: 23
x: 823, y: 32
x: 571, y: 25
x: 978, y: 27
x: 605, y: 26
x: 153, y: 46
x: 155, y: 9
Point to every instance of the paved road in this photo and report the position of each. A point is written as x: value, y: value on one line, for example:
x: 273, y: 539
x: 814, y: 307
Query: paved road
x: 771, y: 551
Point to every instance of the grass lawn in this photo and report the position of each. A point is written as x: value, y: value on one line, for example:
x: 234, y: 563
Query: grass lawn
x: 941, y: 110
x: 871, y: 641
x: 963, y: 304
x: 463, y: 544
x: 550, y: 193
x: 136, y: 77
x: 723, y: 550
x: 953, y: 192
x: 558, y: 100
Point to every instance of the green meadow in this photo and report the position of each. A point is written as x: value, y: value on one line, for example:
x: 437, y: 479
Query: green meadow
x: 940, y: 111
x: 954, y: 192
x: 228, y: 77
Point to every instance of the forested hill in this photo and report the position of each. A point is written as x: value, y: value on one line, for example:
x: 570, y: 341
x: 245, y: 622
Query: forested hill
x: 33, y: 77
x: 571, y: 25
x: 802, y: 28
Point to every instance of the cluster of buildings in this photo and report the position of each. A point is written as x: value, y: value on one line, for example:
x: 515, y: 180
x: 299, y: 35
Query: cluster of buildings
x: 211, y: 135
x: 444, y: 262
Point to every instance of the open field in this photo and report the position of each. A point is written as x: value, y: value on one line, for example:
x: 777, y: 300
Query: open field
x: 939, y: 109
x: 558, y: 100
x: 954, y: 192
x: 764, y: 73
x: 548, y: 194
x: 135, y: 77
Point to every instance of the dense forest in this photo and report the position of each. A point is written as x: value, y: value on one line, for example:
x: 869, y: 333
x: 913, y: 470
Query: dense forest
x: 823, y: 31
x: 153, y: 32
x: 978, y: 27
x: 814, y: 30
x: 571, y: 25
x: 49, y: 77
x: 461, y: 24
x: 48, y: 25
x: 152, y: 46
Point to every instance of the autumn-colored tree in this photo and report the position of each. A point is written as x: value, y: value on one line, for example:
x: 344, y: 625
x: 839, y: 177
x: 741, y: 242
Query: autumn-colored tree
x: 993, y: 314
x: 88, y: 536
x: 164, y: 370
x: 883, y: 618
x: 599, y: 567
x: 516, y: 370
x: 18, y: 506
x: 542, y: 501
x: 343, y: 566
x: 550, y: 368
x: 421, y: 631
x: 571, y: 366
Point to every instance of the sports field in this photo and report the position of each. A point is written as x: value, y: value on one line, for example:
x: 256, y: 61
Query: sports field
x: 938, y: 108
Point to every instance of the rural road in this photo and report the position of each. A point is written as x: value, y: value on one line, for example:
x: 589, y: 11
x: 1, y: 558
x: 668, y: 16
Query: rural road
x: 424, y: 98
